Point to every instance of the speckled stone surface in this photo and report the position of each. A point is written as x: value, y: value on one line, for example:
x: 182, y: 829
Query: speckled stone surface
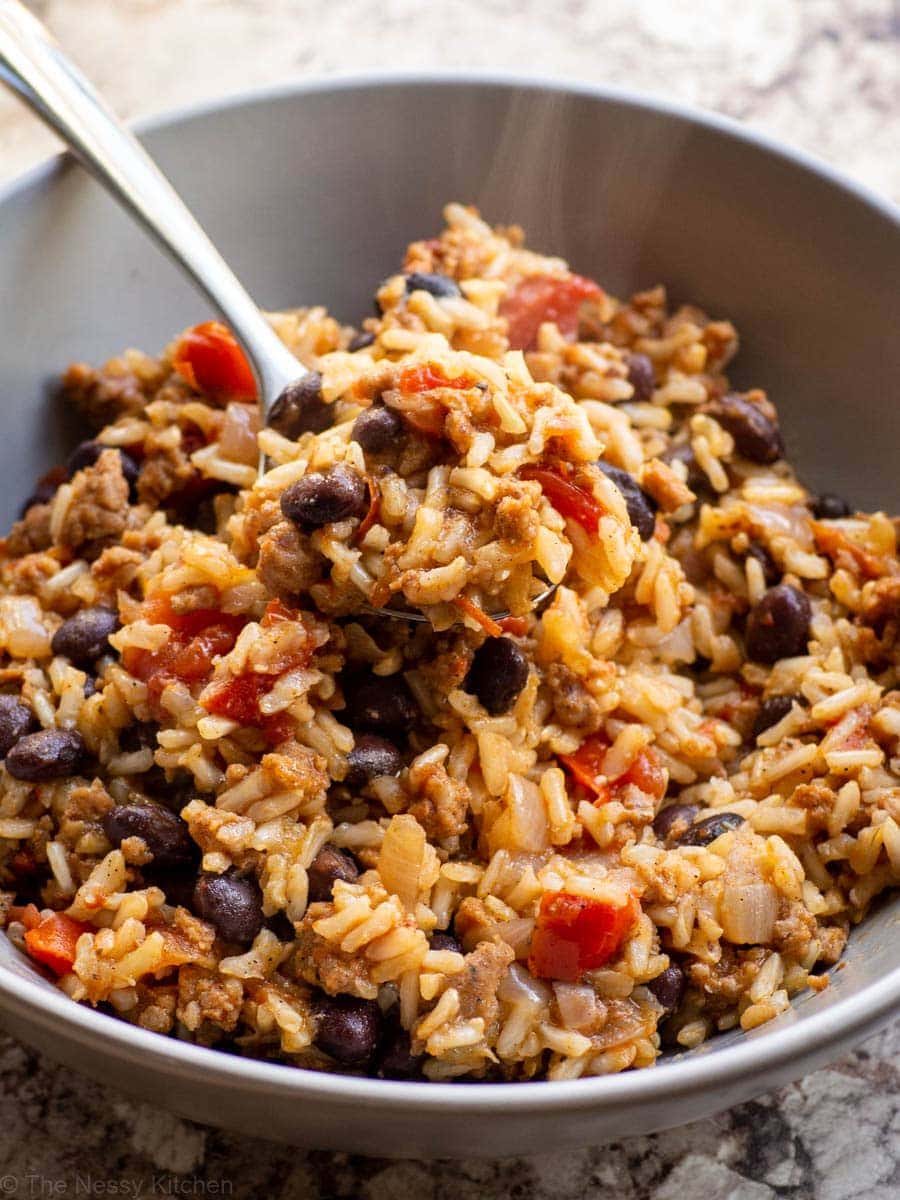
x: 822, y: 74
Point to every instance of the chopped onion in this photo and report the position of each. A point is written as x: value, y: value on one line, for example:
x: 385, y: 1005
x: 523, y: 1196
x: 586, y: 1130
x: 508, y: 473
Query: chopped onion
x: 748, y: 911
x: 237, y: 441
x: 25, y: 635
x: 577, y: 1004
x: 402, y: 857
x: 519, y: 987
x: 528, y: 828
x: 517, y: 934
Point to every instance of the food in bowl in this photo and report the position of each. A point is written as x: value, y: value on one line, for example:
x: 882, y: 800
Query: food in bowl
x: 525, y: 717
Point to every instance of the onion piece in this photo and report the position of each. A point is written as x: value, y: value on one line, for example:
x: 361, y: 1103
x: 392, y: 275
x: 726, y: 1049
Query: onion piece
x: 517, y: 934
x: 527, y: 827
x: 519, y: 987
x: 748, y: 911
x: 22, y: 627
x: 237, y: 440
x: 578, y: 1006
x: 402, y: 857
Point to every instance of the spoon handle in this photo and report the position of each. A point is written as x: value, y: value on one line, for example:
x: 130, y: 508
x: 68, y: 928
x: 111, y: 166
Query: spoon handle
x: 33, y: 65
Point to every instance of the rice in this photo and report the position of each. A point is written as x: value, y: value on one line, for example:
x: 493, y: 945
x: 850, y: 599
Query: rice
x: 510, y: 842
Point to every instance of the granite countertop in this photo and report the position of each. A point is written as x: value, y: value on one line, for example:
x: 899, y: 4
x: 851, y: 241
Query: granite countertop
x: 822, y: 74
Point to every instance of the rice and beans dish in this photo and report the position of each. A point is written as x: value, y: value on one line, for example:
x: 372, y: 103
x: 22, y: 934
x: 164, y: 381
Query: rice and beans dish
x: 532, y: 836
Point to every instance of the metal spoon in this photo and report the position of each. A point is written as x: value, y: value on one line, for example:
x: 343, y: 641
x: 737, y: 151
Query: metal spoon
x: 34, y: 66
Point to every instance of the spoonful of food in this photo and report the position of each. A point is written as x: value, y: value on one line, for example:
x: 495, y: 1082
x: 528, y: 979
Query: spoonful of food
x: 33, y: 65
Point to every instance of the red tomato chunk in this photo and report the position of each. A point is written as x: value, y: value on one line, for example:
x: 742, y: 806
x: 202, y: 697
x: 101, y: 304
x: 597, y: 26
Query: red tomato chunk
x: 52, y: 942
x: 575, y: 934
x: 238, y: 699
x: 543, y: 298
x: 197, y: 639
x: 429, y: 376
x: 211, y: 360
x: 570, y: 501
x: 586, y: 766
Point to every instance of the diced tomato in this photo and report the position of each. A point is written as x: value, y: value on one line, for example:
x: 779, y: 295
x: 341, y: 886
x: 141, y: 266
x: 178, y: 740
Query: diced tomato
x: 835, y: 543
x: 517, y: 626
x: 52, y: 942
x: 198, y: 637
x: 278, y: 728
x: 575, y: 934
x: 277, y: 611
x: 26, y: 914
x: 543, y: 298
x: 427, y: 376
x: 422, y: 412
x: 570, y: 501
x: 211, y: 360
x: 159, y: 611
x: 238, y: 700
x: 646, y: 773
x: 587, y: 765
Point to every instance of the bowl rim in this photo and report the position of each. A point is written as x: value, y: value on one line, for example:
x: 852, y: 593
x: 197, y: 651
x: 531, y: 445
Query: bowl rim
x: 846, y: 1019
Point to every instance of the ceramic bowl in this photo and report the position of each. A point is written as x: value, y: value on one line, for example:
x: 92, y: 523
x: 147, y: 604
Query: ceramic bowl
x: 312, y: 193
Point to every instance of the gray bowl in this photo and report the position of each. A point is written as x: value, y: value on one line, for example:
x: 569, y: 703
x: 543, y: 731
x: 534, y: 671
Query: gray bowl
x: 312, y: 192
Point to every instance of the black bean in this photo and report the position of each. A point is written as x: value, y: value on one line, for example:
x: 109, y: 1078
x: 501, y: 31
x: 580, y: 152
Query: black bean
x: 325, y: 496
x: 377, y: 429
x: 330, y: 865
x: 300, y: 408
x: 86, y: 454
x: 756, y: 437
x: 437, y: 285
x: 380, y: 703
x: 44, y: 491
x: 90, y: 687
x: 398, y: 1060
x: 166, y: 836
x: 177, y: 885
x: 641, y: 376
x: 230, y: 903
x: 16, y: 719
x: 282, y: 926
x: 829, y: 507
x: 361, y: 340
x: 47, y: 754
x: 174, y: 792
x: 203, y: 518
x: 441, y: 940
x: 778, y: 626
x: 641, y: 507
x: 670, y: 823
x: 84, y: 637
x: 697, y: 479
x: 668, y: 988
x: 348, y: 1029
x: 370, y: 758
x: 498, y: 673
x: 770, y: 568
x: 140, y: 736
x: 701, y: 833
x: 772, y: 710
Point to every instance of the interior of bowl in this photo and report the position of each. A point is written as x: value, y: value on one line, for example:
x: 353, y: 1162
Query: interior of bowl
x: 320, y: 209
